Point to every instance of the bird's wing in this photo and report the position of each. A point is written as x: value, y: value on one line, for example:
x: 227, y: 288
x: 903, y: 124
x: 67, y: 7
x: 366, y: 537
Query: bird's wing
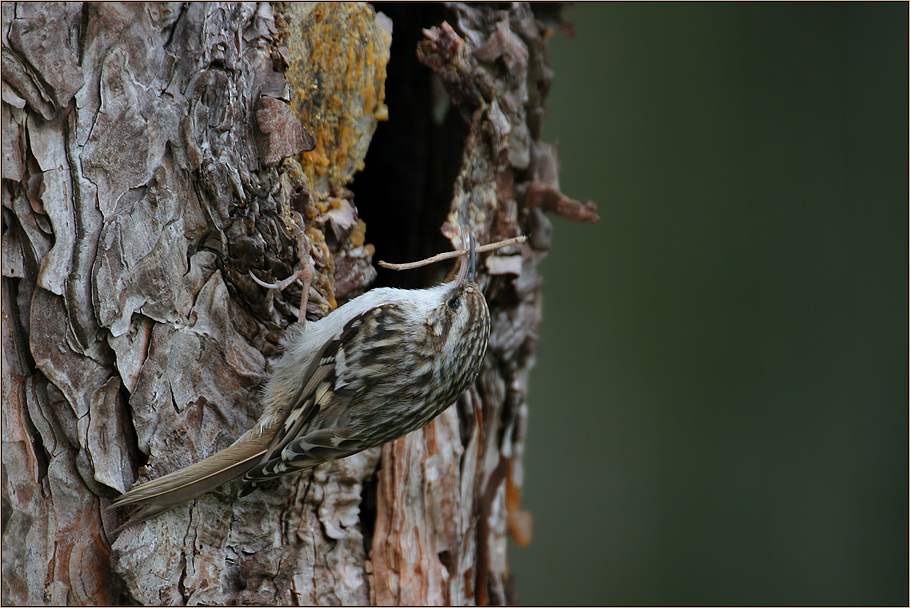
x: 330, y: 387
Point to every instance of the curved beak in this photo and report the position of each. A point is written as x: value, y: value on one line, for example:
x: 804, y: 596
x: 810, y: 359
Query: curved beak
x: 472, y: 258
x: 468, y: 270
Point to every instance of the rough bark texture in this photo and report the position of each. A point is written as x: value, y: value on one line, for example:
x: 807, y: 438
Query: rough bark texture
x: 154, y: 156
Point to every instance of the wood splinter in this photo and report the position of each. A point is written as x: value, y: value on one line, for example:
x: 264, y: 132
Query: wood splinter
x: 453, y: 254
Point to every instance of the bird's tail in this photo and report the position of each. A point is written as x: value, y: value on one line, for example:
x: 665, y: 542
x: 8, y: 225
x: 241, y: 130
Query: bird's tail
x: 174, y: 489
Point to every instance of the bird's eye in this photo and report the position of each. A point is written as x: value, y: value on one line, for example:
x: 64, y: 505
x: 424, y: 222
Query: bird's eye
x: 453, y: 303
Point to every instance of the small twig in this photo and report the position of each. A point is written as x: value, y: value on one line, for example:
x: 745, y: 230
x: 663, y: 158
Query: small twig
x: 453, y: 254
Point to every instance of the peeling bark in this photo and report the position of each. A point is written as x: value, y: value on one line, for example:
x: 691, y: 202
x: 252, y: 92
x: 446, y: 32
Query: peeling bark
x: 154, y: 157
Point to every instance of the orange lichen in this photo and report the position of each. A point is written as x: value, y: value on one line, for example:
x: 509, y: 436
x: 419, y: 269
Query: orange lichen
x: 337, y: 69
x: 359, y: 233
x: 337, y: 58
x: 520, y: 522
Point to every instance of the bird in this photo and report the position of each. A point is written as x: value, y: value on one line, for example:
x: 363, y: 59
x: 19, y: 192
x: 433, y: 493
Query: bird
x: 378, y: 367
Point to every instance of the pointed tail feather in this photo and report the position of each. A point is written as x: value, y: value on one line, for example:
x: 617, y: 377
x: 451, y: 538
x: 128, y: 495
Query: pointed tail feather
x: 173, y: 489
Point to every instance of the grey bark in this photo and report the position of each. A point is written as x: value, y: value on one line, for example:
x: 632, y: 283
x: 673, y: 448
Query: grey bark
x: 154, y: 155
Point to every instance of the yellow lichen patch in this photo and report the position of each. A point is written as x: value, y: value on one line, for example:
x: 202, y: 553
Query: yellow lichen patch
x: 359, y: 233
x: 338, y: 55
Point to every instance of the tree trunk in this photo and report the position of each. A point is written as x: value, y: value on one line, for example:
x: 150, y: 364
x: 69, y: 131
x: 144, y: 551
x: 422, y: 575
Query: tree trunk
x: 154, y: 157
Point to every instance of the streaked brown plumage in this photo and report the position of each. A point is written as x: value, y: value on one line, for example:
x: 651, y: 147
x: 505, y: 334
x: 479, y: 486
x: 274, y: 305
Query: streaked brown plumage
x: 381, y: 366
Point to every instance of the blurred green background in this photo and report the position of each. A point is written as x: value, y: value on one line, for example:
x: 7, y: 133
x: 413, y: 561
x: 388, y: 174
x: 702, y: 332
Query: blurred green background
x: 719, y: 412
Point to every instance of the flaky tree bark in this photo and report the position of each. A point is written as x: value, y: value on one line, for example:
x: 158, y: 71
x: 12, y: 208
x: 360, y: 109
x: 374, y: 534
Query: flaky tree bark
x: 157, y: 155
